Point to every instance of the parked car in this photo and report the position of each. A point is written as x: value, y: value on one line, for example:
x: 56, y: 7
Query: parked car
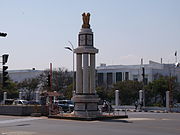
x: 8, y: 101
x: 20, y: 102
x: 177, y: 105
x: 66, y: 105
x: 33, y: 102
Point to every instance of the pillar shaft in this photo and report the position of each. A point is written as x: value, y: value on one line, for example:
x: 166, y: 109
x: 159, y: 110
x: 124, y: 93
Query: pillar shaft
x: 92, y: 73
x: 85, y: 74
x: 167, y: 99
x: 37, y: 96
x: 5, y: 96
x: 117, y: 97
x: 140, y: 96
x: 79, y: 80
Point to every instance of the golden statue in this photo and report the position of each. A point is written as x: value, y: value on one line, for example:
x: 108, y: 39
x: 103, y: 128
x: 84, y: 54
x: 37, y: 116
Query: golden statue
x: 86, y: 18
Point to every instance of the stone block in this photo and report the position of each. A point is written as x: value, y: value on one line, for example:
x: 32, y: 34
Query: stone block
x: 79, y: 106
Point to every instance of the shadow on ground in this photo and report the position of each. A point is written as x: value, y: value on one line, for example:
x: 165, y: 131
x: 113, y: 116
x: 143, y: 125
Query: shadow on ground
x: 116, y: 120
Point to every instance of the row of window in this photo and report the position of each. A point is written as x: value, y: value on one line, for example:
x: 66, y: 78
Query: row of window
x: 109, y: 78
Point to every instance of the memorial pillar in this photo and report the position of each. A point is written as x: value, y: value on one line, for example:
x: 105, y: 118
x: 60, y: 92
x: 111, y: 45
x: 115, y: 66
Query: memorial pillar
x: 85, y: 100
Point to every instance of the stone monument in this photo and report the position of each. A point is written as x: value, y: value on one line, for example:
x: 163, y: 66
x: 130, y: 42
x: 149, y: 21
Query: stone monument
x: 85, y: 98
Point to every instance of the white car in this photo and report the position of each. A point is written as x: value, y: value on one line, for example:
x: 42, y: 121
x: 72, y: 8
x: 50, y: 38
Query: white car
x: 20, y: 102
x: 177, y: 105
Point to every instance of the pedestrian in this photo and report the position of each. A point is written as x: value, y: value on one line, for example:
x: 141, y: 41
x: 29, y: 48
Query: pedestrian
x: 136, y: 105
x: 105, y: 106
x: 141, y: 104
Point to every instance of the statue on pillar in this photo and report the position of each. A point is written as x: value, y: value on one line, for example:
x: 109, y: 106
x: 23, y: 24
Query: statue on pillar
x: 86, y: 18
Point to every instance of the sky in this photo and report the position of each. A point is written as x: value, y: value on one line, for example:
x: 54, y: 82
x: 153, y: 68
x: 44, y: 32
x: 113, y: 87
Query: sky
x: 124, y: 31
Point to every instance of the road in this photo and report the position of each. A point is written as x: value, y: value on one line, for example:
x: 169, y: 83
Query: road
x: 138, y: 123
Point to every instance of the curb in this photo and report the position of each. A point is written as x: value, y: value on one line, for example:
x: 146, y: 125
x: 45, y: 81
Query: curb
x: 36, y: 114
x: 88, y: 119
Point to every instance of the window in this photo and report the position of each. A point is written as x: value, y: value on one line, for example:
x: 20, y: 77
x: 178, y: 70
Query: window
x: 100, y: 78
x: 126, y: 76
x: 135, y: 77
x: 118, y: 76
x: 109, y: 78
x: 146, y: 80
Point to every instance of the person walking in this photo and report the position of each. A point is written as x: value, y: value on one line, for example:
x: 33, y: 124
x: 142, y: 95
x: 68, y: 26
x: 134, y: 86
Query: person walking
x: 136, y: 105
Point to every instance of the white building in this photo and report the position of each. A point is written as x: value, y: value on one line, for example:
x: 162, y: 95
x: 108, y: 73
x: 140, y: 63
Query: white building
x: 108, y: 75
x: 21, y: 75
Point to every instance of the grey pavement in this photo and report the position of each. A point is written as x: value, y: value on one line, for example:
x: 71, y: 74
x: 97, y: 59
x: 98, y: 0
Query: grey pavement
x: 138, y: 123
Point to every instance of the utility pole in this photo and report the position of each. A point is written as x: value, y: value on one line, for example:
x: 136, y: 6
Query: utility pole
x: 143, y: 75
x: 4, y: 70
x: 170, y: 88
x: 50, y: 76
x: 4, y: 60
x: 175, y: 57
x: 170, y: 94
x: 143, y: 82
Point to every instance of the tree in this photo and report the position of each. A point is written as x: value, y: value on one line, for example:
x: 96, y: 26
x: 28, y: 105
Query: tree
x: 11, y: 89
x: 103, y: 93
x: 62, y: 78
x: 176, y: 93
x: 68, y: 93
x: 129, y: 91
x: 156, y: 90
x: 62, y: 81
x: 30, y: 85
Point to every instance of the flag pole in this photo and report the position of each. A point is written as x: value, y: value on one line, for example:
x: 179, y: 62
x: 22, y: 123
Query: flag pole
x: 176, y: 57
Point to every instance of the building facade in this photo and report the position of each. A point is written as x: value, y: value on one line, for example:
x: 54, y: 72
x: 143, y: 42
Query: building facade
x: 111, y: 74
x: 21, y: 75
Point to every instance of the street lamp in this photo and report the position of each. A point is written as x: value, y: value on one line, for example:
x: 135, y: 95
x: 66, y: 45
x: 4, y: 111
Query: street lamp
x: 72, y: 50
x: 144, y: 82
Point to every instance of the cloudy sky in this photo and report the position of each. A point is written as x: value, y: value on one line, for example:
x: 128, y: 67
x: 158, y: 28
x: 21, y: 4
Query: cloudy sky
x: 125, y: 31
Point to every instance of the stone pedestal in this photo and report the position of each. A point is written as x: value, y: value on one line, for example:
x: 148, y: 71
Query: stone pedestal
x: 86, y: 106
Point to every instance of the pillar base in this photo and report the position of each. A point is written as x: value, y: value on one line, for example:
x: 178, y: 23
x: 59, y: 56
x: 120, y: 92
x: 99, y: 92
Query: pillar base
x: 86, y: 106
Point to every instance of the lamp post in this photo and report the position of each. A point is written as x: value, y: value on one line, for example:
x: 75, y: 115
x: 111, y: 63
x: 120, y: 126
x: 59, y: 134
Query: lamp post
x: 72, y: 50
x: 144, y: 82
